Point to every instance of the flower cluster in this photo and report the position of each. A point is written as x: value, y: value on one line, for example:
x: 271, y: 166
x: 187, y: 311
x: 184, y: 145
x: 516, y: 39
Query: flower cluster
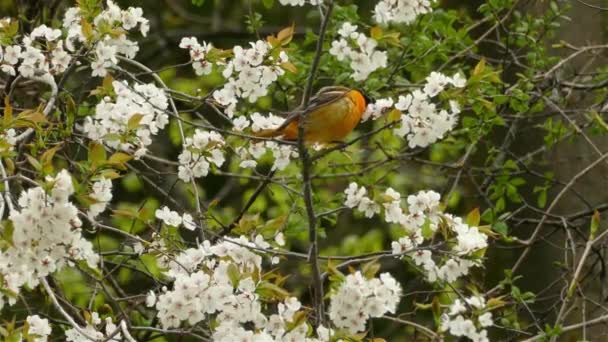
x: 46, y: 236
x: 422, y: 123
x: 249, y: 155
x: 172, y: 218
x: 299, y: 2
x: 40, y: 53
x: 128, y: 121
x: 198, y: 53
x: 282, y: 154
x: 200, y: 150
x: 359, y: 298
x: 360, y: 50
x: 400, y: 11
x: 8, y: 139
x: 9, y: 58
x: 221, y: 280
x: 423, y: 219
x: 356, y: 197
x: 106, y: 34
x: 102, y: 195
x: 39, y: 328
x: 249, y: 73
x: 455, y: 322
x: 94, y: 329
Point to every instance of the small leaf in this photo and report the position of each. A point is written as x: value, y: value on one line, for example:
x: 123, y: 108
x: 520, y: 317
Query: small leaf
x: 97, y: 153
x: 34, y: 162
x: 47, y: 159
x: 10, y: 166
x: 501, y: 228
x: 8, y: 112
x: 107, y: 82
x: 298, y: 318
x: 479, y: 68
x: 394, y: 115
x: 110, y: 174
x: 29, y: 118
x: 247, y: 223
x: 119, y: 159
x: 270, y: 291
x: 289, y: 67
x: 268, y: 3
x: 87, y: 29
x: 427, y: 232
x: 234, y: 275
x: 71, y: 111
x: 286, y: 34
x: 134, y: 121
x: 273, y: 41
x: 473, y: 218
x: 376, y: 32
x: 124, y: 213
x: 595, y: 224
x: 370, y: 269
x: 497, y: 302
x: 271, y: 227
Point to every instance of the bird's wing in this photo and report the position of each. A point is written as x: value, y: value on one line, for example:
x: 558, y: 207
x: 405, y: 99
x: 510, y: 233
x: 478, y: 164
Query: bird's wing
x: 323, y: 97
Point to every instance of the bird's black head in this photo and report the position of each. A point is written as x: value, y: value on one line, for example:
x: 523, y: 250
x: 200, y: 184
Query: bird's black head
x: 367, y: 98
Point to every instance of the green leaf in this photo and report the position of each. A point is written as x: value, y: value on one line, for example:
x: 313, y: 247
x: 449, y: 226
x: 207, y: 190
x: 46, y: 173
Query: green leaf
x: 134, y: 121
x: 370, y: 269
x: 289, y: 67
x: 71, y: 110
x: 8, y: 113
x: 268, y: 3
x: 87, y: 29
x: 479, y: 68
x: 542, y: 198
x: 119, y: 159
x: 35, y: 163
x: 47, y: 159
x: 427, y: 232
x: 29, y: 118
x: 97, y: 153
x: 595, y: 224
x: 473, y: 217
x: 271, y: 227
x: 234, y: 275
x: 500, y: 227
x: 271, y: 292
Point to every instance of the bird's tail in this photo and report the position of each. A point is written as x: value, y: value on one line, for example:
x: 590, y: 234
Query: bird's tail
x: 268, y: 133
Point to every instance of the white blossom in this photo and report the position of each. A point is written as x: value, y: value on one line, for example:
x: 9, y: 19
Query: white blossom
x: 359, y: 299
x: 200, y: 151
x: 102, y: 194
x: 400, y: 11
x: 359, y: 50
x: 169, y: 217
x: 47, y: 236
x: 138, y: 109
x: 39, y: 328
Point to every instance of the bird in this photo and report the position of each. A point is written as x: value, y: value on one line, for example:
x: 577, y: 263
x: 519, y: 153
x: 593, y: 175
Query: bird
x: 333, y: 112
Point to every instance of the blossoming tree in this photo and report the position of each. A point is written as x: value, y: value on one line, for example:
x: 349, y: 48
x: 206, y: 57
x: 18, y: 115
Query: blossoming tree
x: 138, y: 204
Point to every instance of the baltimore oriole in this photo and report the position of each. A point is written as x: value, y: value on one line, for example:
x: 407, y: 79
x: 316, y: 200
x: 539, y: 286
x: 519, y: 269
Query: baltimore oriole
x: 330, y: 116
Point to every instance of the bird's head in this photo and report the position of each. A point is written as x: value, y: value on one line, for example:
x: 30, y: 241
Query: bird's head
x: 367, y: 98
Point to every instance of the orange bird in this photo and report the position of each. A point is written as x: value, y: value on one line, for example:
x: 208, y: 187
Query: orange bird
x: 331, y: 115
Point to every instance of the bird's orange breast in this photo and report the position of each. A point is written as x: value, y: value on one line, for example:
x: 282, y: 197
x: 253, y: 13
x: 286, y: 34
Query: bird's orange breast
x: 335, y: 121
